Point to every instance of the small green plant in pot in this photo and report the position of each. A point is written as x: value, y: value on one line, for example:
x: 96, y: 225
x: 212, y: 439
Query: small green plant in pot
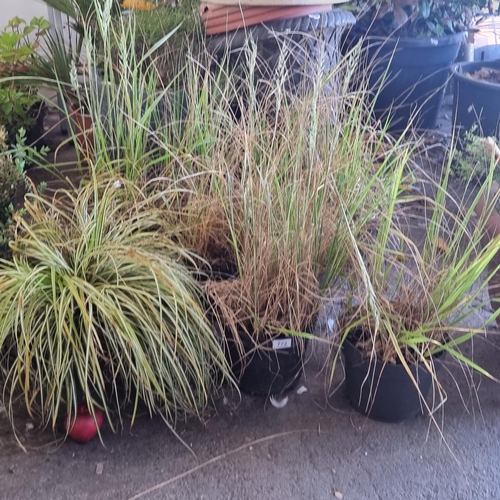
x: 476, y: 98
x: 109, y: 314
x: 114, y: 98
x: 413, y: 303
x: 473, y: 161
x: 417, y: 18
x: 20, y: 104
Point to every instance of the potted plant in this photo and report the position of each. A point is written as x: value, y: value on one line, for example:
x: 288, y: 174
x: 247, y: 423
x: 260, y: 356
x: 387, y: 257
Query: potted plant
x: 56, y: 66
x: 20, y: 103
x: 81, y: 13
x: 486, y: 154
x: 262, y: 311
x: 473, y: 160
x: 59, y: 67
x: 284, y: 194
x: 476, y: 98
x: 410, y: 305
x: 110, y: 314
x: 410, y: 45
x: 112, y: 103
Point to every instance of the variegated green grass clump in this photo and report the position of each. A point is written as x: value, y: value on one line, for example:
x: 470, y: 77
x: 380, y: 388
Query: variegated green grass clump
x: 97, y: 304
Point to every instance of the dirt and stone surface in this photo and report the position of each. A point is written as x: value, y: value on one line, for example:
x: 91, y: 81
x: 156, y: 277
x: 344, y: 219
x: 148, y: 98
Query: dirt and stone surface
x: 315, y: 447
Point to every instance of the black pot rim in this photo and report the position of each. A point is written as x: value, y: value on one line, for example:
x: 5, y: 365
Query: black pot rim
x: 458, y: 70
x: 263, y: 369
x: 413, y: 43
x: 362, y: 358
x: 37, y: 108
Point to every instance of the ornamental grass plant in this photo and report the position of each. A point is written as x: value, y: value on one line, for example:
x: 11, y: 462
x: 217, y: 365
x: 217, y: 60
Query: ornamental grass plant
x: 290, y: 191
x: 97, y: 304
x: 270, y: 197
x: 275, y: 184
x: 119, y: 88
x: 415, y: 298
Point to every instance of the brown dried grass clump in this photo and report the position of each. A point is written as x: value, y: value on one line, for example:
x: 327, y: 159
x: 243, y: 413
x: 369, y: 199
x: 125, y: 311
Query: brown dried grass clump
x: 282, y: 188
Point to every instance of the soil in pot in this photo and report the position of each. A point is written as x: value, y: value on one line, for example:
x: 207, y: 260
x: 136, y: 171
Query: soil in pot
x: 490, y: 75
x: 383, y: 391
x: 221, y: 267
x: 266, y: 366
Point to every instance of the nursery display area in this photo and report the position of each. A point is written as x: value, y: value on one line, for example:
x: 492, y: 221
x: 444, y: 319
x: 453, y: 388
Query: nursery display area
x: 235, y: 248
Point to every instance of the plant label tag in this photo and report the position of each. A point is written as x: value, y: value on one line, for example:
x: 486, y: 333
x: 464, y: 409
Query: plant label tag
x: 282, y: 344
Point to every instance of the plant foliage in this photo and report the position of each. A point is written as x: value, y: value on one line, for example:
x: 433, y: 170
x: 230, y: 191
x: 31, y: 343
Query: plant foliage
x: 415, y: 18
x: 413, y: 299
x: 98, y: 305
x: 19, y: 42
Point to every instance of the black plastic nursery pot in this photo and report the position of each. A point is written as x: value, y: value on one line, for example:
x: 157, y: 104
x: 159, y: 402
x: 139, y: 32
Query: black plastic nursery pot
x: 487, y: 53
x: 268, y: 366
x: 34, y: 135
x: 408, y: 77
x: 476, y: 102
x: 384, y: 392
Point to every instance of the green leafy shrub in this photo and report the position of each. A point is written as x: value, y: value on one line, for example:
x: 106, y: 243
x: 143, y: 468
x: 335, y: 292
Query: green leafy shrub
x: 12, y: 177
x: 11, y: 170
x: 416, y: 18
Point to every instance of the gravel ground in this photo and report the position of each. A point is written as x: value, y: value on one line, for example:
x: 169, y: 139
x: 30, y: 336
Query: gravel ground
x: 313, y: 448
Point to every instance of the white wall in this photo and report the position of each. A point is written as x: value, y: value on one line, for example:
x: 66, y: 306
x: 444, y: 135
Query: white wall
x: 25, y: 9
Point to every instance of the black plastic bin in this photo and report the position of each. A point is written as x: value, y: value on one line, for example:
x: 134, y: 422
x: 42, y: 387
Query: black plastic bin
x: 408, y: 76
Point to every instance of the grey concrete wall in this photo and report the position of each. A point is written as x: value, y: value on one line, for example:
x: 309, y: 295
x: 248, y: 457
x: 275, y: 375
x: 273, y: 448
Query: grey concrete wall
x: 26, y: 9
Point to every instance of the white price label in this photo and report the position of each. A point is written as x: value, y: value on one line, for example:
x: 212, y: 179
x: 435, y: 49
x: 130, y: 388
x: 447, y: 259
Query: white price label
x: 282, y: 344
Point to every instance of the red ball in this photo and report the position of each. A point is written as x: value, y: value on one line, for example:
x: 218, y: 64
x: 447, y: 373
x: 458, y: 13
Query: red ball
x: 82, y: 427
